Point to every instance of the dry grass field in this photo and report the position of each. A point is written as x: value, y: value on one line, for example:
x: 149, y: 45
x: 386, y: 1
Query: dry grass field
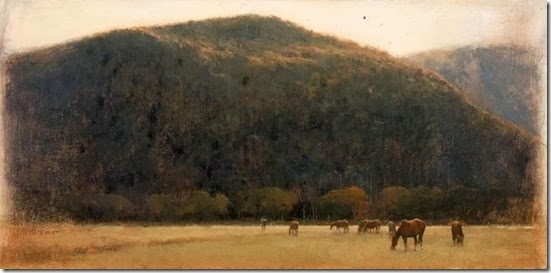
x: 219, y: 247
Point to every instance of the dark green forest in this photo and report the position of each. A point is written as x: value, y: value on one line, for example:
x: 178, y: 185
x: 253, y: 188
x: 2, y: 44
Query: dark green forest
x: 251, y: 117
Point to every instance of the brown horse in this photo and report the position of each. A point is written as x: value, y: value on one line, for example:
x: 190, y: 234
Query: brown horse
x: 457, y: 233
x: 413, y: 228
x: 293, y: 228
x: 377, y: 224
x: 340, y: 224
x: 371, y: 225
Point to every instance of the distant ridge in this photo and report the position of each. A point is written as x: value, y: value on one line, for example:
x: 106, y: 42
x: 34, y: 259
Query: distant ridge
x: 502, y: 79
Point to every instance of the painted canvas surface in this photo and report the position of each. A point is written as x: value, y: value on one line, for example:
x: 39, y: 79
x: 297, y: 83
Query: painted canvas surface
x: 273, y: 134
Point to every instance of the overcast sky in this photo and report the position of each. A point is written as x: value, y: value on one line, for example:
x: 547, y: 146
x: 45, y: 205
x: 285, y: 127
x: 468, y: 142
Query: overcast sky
x: 399, y: 27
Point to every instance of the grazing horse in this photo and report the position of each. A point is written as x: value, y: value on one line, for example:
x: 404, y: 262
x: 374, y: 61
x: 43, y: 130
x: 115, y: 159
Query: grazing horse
x: 293, y: 228
x: 377, y: 224
x: 372, y: 225
x: 391, y: 229
x: 340, y: 224
x: 457, y: 233
x: 413, y: 228
x: 263, y: 223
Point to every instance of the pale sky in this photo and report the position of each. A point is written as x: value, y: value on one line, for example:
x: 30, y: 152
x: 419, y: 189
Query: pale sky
x: 399, y: 27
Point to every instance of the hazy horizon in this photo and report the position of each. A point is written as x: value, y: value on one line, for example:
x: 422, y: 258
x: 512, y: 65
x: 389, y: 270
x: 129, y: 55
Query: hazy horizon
x: 400, y: 28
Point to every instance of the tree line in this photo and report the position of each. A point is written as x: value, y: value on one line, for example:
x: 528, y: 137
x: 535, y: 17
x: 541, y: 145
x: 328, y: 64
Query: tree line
x: 352, y: 203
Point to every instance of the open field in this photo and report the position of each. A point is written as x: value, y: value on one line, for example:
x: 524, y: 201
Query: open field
x: 114, y: 246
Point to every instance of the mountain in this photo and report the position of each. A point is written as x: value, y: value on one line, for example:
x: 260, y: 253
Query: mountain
x: 235, y: 104
x: 501, y: 79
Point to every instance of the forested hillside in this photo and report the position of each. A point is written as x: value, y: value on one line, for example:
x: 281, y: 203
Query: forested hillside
x: 502, y: 79
x: 249, y: 116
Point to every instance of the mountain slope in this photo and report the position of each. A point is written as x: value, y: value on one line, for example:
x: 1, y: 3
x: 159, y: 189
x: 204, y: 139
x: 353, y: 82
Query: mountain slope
x: 501, y: 79
x: 229, y: 105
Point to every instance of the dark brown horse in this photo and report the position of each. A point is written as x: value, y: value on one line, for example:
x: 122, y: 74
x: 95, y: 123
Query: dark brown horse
x: 293, y: 228
x: 457, y: 233
x: 371, y: 225
x: 413, y: 228
x: 377, y: 224
x: 340, y: 224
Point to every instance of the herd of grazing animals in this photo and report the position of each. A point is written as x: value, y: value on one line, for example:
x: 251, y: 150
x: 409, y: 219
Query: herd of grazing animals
x: 408, y: 229
x: 369, y: 225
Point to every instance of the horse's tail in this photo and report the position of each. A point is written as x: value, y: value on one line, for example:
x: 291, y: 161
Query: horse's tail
x: 422, y: 231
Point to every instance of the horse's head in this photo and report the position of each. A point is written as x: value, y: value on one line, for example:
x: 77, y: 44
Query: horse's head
x: 460, y: 239
x: 394, y: 242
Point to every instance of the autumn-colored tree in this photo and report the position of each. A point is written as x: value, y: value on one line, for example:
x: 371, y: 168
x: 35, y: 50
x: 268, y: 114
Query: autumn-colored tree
x: 391, y: 198
x: 423, y: 202
x: 271, y: 202
x: 201, y: 206
x: 348, y: 203
x: 221, y: 204
x: 163, y: 207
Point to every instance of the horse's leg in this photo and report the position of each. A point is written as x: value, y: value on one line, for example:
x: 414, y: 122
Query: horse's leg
x: 405, y: 243
x: 414, y: 243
